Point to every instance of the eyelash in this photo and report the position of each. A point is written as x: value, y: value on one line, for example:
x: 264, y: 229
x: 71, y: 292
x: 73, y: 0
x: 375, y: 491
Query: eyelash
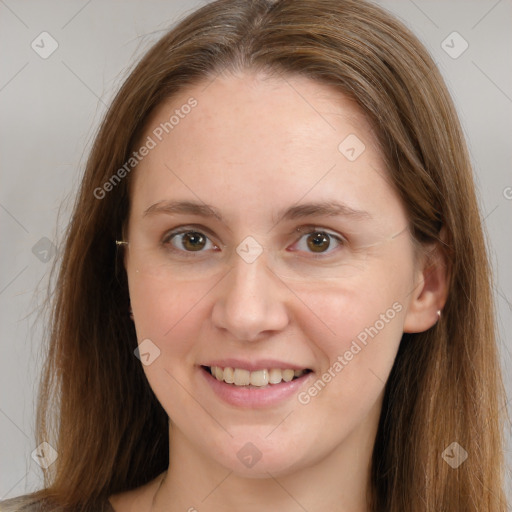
x: 309, y: 230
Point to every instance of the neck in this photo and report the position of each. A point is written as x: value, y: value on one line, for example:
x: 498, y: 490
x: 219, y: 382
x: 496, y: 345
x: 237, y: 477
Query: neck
x: 338, y: 482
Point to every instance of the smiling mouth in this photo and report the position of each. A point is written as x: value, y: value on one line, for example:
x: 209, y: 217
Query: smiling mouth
x: 255, y: 379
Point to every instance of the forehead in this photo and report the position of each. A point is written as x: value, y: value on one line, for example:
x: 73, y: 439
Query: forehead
x: 253, y: 140
x: 285, y: 112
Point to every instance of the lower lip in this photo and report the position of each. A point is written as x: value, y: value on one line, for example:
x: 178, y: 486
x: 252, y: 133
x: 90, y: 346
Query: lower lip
x: 255, y: 397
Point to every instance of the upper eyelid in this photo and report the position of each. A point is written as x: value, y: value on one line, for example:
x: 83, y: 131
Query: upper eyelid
x: 188, y: 228
x: 316, y: 227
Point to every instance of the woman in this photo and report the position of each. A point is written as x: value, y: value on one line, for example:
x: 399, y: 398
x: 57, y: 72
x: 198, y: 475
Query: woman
x: 274, y: 291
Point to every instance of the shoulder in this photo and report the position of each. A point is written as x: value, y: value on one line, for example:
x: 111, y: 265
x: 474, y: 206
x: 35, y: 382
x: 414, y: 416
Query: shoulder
x: 22, y: 504
x: 31, y: 503
x: 133, y: 500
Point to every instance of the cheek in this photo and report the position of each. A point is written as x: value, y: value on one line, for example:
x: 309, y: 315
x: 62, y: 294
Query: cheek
x: 360, y: 310
x: 355, y: 328
x: 356, y: 335
x: 171, y: 315
x: 166, y: 312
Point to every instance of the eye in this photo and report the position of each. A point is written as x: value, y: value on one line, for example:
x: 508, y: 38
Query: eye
x: 317, y: 240
x: 188, y: 240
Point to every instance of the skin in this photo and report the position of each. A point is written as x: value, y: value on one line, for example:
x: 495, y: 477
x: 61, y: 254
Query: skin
x: 252, y: 146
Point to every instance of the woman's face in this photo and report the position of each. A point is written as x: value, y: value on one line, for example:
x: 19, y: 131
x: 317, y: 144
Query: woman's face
x: 245, y: 291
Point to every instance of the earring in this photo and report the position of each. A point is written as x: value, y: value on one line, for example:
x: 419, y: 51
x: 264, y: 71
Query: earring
x: 438, y: 314
x: 121, y: 242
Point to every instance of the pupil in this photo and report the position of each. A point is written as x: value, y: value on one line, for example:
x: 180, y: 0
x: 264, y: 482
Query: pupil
x: 318, y: 240
x: 193, y: 238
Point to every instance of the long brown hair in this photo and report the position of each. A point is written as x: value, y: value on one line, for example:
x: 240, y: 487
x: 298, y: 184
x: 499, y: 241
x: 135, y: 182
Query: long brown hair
x: 96, y: 407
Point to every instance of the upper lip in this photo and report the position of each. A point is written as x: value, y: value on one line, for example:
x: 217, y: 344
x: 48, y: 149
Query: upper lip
x: 252, y: 366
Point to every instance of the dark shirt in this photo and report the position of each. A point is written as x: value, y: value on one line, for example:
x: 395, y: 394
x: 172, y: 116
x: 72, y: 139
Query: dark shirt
x: 27, y: 504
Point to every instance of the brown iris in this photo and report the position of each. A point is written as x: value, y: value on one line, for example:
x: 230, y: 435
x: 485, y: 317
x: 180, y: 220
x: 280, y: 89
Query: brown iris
x: 317, y: 241
x: 192, y: 240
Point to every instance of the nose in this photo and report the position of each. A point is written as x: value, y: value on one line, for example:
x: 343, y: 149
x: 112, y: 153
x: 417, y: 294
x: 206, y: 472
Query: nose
x: 251, y: 301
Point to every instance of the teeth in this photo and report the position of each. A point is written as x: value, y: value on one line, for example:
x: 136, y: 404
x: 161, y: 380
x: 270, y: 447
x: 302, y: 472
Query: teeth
x: 258, y: 378
x: 242, y: 377
x: 229, y: 375
x: 275, y: 376
x: 287, y: 375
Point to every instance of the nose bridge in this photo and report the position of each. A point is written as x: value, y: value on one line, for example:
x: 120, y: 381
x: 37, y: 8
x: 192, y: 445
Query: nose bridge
x: 250, y: 300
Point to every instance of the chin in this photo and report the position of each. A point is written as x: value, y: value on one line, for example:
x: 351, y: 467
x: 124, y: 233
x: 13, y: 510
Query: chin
x: 260, y: 459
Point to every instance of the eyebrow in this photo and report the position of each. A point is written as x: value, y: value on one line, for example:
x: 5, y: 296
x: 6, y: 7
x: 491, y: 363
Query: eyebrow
x: 312, y: 209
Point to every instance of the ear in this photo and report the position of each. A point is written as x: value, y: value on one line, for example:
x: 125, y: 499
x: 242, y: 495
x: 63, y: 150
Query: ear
x: 431, y: 290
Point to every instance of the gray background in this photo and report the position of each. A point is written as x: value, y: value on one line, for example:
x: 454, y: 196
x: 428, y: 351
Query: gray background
x: 50, y: 109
